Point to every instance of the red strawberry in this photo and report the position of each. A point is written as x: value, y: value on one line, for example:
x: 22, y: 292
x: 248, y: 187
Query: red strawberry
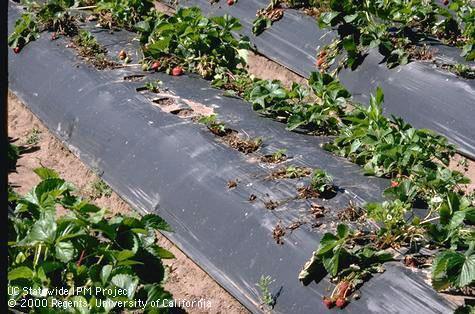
x: 445, y: 2
x: 230, y: 2
x: 394, y: 184
x: 320, y: 61
x: 340, y: 302
x: 328, y: 302
x: 155, y: 66
x: 122, y: 55
x: 16, y: 49
x: 177, y: 71
x: 322, y: 53
x: 343, y: 288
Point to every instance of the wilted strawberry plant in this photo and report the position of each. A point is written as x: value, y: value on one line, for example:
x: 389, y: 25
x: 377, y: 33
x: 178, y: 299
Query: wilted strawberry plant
x: 57, y: 240
x: 348, y: 262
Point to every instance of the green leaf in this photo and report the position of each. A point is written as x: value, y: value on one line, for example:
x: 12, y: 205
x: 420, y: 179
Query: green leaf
x: 156, y: 293
x: 20, y: 272
x: 327, y: 243
x: 343, y: 231
x: 160, y: 252
x: 65, y: 251
x: 332, y: 262
x: 46, y: 173
x: 126, y: 282
x: 156, y: 222
x: 105, y: 273
x: 446, y: 268
x: 467, y: 275
x: 43, y: 230
x: 326, y: 19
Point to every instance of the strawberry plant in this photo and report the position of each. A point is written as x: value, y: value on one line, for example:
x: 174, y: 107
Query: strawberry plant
x: 53, y: 15
x: 347, y: 262
x: 454, y: 269
x: 193, y: 42
x: 321, y: 181
x: 122, y: 13
x: 394, y: 26
x: 293, y: 172
x: 387, y: 147
x: 297, y: 107
x: 90, y: 49
x: 213, y: 125
x: 94, y: 257
x: 26, y: 30
x: 154, y: 86
x: 276, y: 157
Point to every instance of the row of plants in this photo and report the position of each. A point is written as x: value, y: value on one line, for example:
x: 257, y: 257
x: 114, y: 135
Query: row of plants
x: 61, y: 17
x: 65, y: 252
x: 416, y: 160
x: 396, y: 28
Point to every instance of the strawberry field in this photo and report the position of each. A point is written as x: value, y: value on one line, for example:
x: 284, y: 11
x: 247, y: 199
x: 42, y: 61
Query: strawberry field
x: 310, y: 156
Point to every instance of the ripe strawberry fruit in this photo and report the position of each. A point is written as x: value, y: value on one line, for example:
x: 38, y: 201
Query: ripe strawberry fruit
x: 230, y: 2
x: 177, y: 71
x: 343, y: 288
x: 394, y: 184
x: 155, y: 66
x: 122, y: 55
x: 340, y: 302
x: 320, y: 61
x: 16, y: 49
x: 328, y: 302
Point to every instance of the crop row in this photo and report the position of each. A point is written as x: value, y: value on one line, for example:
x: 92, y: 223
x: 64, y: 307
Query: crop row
x: 415, y: 160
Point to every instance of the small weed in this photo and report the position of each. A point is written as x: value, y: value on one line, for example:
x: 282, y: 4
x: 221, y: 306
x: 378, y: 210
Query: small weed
x: 266, y: 296
x: 100, y: 189
x: 33, y: 137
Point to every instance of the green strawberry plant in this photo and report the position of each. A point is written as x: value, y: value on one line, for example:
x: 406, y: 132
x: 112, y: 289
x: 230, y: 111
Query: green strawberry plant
x: 26, y: 30
x: 82, y: 247
x: 213, y: 125
x: 385, y: 147
x: 316, y: 109
x: 454, y: 269
x: 394, y: 26
x: 122, y: 13
x: 190, y: 40
x: 321, y: 181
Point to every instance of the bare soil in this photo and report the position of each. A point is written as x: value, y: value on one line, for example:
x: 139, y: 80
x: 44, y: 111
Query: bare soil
x: 187, y: 281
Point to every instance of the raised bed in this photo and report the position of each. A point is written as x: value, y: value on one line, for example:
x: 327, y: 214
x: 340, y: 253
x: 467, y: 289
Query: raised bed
x: 420, y: 93
x: 162, y: 163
